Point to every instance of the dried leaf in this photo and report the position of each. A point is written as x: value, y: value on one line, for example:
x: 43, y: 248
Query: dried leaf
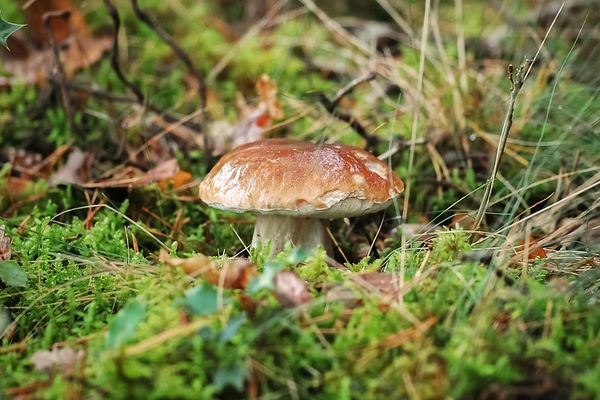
x: 383, y: 283
x: 61, y: 28
x: 165, y: 170
x: 250, y: 128
x: 5, y: 246
x: 34, y: 61
x: 464, y: 220
x: 252, y: 122
x: 75, y: 171
x: 267, y: 91
x: 234, y: 273
x: 192, y: 266
x: 573, y: 229
x: 64, y: 360
x: 290, y: 289
x: 220, y: 135
x: 533, y: 248
x: 77, y: 54
x: 180, y: 179
x: 591, y: 232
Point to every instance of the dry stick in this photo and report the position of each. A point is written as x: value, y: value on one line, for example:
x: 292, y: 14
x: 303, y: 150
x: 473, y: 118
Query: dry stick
x: 114, y: 58
x: 100, y: 94
x: 334, y: 26
x: 401, y: 22
x: 179, y: 52
x: 559, y: 203
x: 62, y: 80
x: 331, y: 105
x: 346, y: 90
x: 398, y: 145
x: 508, y: 120
x: 183, y: 56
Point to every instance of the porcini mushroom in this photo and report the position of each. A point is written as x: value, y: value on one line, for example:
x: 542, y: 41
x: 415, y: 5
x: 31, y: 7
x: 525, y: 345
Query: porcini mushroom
x: 294, y: 187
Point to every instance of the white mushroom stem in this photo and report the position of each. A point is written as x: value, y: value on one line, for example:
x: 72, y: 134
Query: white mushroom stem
x: 281, y: 229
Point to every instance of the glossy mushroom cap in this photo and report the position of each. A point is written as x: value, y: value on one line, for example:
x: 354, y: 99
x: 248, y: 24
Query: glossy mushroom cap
x: 298, y: 178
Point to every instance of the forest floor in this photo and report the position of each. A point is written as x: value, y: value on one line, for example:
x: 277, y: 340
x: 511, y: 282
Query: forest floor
x: 481, y: 281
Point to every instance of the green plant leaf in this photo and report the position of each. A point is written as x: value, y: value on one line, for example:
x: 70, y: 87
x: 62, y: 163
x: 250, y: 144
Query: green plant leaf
x: 300, y: 255
x: 202, y: 300
x: 231, y: 375
x: 265, y: 279
x: 124, y: 325
x: 7, y: 29
x: 232, y: 327
x: 12, y: 274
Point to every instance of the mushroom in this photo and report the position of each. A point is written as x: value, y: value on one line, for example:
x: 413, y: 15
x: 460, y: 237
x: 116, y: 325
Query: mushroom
x: 294, y: 187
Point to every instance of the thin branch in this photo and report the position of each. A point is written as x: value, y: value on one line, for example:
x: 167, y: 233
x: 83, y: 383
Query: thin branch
x: 516, y: 85
x: 349, y: 88
x: 181, y: 54
x: 331, y: 105
x: 60, y: 72
x: 98, y: 93
x: 401, y: 144
x: 114, y: 58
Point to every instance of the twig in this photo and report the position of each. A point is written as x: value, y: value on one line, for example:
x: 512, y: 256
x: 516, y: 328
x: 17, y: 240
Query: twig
x: 400, y: 145
x: 114, y: 58
x: 335, y: 26
x: 346, y: 90
x: 98, y: 93
x: 183, y: 56
x: 516, y: 86
x: 60, y: 72
x: 331, y: 105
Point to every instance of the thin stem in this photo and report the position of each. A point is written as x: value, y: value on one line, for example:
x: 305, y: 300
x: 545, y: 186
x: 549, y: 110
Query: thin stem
x: 516, y: 86
x: 60, y: 72
x: 114, y: 58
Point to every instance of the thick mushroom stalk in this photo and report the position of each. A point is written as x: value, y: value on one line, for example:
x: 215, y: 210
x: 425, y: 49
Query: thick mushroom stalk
x: 300, y: 231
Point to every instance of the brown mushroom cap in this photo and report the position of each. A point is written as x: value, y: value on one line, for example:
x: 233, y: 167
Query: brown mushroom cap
x: 294, y: 177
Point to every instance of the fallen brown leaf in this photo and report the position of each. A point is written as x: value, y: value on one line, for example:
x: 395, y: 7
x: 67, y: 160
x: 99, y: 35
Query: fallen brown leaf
x: 180, y: 179
x: 464, y: 220
x: 192, y: 266
x: 234, y: 273
x: 61, y: 28
x: 253, y: 121
x: 267, y: 91
x: 133, y: 177
x: 75, y: 171
x: 385, y: 284
x: 534, y: 250
x: 290, y: 289
x: 77, y: 54
x: 33, y: 61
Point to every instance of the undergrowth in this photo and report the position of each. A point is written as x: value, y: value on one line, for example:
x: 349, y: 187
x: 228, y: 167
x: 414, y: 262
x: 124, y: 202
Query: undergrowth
x: 462, y: 313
